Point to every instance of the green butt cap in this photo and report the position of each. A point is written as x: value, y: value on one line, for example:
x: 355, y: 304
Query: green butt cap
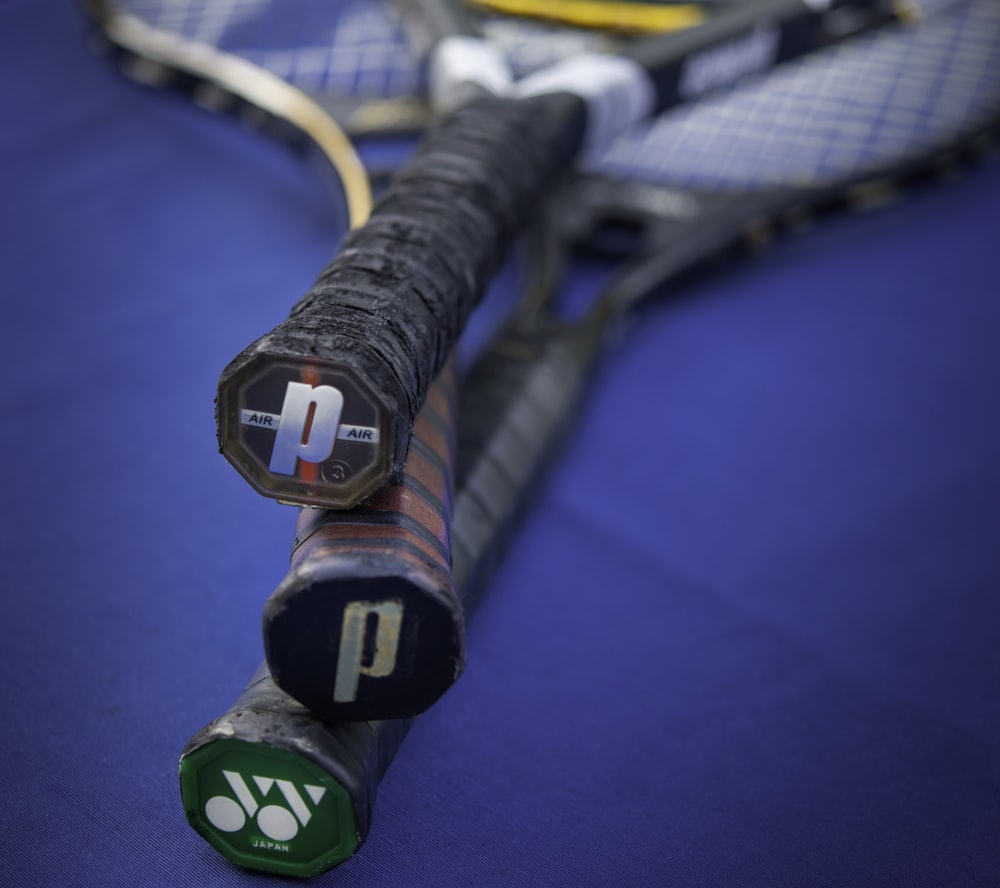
x: 267, y: 809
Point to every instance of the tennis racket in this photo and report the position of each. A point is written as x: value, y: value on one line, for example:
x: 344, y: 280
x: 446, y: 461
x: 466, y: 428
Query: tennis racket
x: 686, y: 188
x: 939, y: 79
x: 384, y: 315
x: 304, y: 71
x: 249, y: 58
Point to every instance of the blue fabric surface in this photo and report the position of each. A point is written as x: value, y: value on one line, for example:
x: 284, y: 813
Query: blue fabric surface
x: 749, y: 635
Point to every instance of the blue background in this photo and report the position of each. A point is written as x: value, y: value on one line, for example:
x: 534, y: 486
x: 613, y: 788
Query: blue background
x: 749, y: 635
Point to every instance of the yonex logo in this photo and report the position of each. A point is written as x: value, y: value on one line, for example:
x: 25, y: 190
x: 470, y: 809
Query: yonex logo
x: 307, y: 427
x: 277, y: 822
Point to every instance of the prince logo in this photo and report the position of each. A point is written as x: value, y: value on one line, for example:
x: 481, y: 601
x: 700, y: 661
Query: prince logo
x: 307, y: 427
x: 381, y: 621
x: 305, y: 435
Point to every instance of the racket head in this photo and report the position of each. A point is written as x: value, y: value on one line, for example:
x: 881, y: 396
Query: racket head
x: 345, y: 54
x: 848, y: 123
x: 362, y: 61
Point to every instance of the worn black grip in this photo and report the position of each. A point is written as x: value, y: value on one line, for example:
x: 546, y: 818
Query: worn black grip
x: 382, y: 318
x: 516, y: 407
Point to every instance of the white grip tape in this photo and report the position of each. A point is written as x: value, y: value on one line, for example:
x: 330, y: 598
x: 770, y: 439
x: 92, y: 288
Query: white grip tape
x: 618, y: 92
x: 460, y: 62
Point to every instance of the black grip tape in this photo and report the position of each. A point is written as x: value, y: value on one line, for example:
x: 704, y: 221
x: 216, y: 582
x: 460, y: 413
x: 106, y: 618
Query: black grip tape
x: 392, y: 304
x: 527, y: 390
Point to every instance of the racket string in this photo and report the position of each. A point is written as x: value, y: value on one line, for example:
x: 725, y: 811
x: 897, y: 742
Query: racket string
x: 853, y: 107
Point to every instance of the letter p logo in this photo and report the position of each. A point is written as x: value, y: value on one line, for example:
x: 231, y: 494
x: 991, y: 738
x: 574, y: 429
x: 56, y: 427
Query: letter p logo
x: 377, y: 621
x: 307, y: 429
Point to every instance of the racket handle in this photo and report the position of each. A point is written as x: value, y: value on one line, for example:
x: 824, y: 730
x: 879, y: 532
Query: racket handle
x: 524, y: 393
x: 367, y: 623
x: 320, y: 410
x: 271, y: 786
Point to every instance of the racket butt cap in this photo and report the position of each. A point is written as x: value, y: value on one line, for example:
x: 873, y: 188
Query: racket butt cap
x: 307, y: 432
x: 269, y: 808
x: 353, y: 641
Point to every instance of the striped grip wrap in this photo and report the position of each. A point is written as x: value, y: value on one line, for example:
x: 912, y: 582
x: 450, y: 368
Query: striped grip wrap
x: 383, y: 316
x: 367, y: 623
